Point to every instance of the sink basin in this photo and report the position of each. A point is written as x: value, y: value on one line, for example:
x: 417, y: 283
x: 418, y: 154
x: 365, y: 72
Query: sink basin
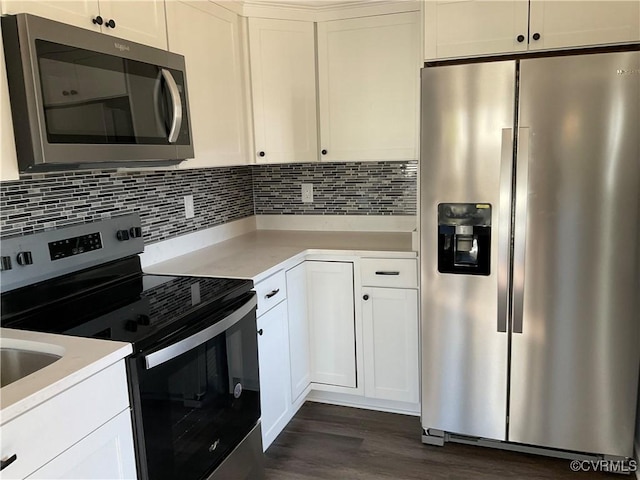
x: 19, y: 358
x: 16, y: 364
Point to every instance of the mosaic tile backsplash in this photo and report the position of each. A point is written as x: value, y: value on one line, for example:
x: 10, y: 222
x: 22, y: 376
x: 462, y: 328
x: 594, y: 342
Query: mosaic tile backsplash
x: 371, y: 188
x: 40, y: 201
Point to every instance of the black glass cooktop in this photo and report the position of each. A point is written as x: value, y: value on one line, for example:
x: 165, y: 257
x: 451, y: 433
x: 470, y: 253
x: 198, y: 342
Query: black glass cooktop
x: 117, y: 301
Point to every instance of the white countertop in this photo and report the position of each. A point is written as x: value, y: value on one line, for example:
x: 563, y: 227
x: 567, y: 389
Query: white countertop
x: 81, y: 358
x: 255, y: 254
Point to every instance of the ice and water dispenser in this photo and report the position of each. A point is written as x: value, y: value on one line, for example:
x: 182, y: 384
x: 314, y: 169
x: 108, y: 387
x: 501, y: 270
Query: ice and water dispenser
x: 464, y: 238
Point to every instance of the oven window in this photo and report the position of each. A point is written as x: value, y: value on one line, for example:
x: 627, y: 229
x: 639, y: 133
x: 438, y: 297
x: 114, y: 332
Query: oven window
x: 197, y: 407
x: 91, y: 97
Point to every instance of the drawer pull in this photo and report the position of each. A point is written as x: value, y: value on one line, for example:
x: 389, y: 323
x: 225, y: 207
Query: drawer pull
x: 387, y: 273
x: 5, y: 463
x: 273, y: 293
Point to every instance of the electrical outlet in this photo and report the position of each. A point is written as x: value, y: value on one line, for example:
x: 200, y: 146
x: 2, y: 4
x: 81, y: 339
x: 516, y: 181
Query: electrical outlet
x: 188, y: 206
x: 307, y: 193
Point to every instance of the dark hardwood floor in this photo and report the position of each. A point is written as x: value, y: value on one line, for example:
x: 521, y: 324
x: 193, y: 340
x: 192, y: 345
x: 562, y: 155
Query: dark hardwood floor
x: 331, y: 442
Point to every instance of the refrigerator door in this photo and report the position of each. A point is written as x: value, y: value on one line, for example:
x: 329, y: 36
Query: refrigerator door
x: 575, y: 342
x: 466, y: 157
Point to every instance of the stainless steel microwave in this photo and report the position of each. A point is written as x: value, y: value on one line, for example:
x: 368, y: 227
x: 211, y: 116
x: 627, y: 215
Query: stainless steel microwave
x: 82, y: 99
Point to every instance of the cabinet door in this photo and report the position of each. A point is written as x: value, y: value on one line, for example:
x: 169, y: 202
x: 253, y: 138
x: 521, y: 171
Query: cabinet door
x: 208, y: 36
x: 141, y: 21
x: 368, y: 72
x: 568, y: 24
x: 74, y: 12
x: 331, y: 323
x: 283, y: 81
x: 454, y: 28
x: 8, y: 159
x: 297, y: 307
x: 390, y: 332
x: 107, y: 452
x: 273, y: 358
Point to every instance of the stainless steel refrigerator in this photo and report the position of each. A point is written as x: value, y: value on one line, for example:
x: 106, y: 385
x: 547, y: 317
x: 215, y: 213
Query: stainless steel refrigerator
x: 529, y: 218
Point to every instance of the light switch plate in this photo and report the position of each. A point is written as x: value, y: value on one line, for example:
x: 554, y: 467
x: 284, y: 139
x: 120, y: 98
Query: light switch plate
x: 188, y: 206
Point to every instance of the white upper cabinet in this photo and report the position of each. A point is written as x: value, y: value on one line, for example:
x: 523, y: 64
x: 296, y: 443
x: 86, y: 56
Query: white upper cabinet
x: 210, y: 39
x: 80, y: 13
x: 283, y: 81
x: 478, y: 27
x: 474, y: 27
x: 368, y: 72
x: 141, y: 21
x: 573, y: 23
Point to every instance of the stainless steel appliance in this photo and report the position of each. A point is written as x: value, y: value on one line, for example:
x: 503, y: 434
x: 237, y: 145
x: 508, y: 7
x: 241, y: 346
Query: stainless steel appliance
x: 193, y: 376
x: 81, y: 98
x: 542, y: 347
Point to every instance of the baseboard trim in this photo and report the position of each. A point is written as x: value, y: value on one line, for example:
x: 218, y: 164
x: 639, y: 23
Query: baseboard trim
x: 356, y: 401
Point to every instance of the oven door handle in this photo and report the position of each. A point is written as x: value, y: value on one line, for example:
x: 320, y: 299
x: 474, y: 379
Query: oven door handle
x: 172, y: 351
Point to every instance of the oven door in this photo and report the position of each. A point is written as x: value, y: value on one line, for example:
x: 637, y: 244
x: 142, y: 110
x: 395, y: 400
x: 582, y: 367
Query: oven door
x: 199, y: 395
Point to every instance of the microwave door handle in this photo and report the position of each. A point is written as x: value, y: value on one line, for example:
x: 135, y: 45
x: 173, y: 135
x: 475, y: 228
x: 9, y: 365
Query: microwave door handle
x: 170, y: 352
x: 176, y: 103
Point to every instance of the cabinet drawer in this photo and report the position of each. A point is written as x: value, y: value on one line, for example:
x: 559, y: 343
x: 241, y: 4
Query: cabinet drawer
x: 44, y: 432
x: 389, y: 272
x: 271, y: 291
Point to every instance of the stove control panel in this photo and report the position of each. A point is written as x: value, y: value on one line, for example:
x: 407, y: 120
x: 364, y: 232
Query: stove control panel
x: 74, y: 245
x: 28, y: 259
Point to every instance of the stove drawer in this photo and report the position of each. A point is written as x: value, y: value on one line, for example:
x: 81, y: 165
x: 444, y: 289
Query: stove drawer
x: 271, y: 291
x: 47, y: 430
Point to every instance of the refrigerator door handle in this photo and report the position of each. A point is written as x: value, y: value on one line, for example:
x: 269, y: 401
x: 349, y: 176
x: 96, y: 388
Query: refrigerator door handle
x: 506, y: 162
x: 520, y: 228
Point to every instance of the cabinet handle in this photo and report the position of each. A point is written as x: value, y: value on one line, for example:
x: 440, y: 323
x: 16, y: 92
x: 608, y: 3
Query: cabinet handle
x: 365, y: 297
x: 273, y: 293
x: 261, y: 154
x: 5, y: 463
x: 520, y: 38
x: 98, y: 20
x: 536, y: 36
x: 387, y: 273
x: 260, y: 332
x: 110, y: 23
x: 323, y: 152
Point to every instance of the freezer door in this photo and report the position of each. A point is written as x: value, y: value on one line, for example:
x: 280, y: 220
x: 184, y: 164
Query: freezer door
x: 575, y: 343
x: 466, y: 157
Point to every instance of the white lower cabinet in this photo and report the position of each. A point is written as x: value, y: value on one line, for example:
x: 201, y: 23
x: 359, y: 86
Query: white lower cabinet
x: 273, y: 358
x: 298, y: 316
x: 390, y: 343
x: 84, y: 432
x: 331, y: 323
x: 107, y: 452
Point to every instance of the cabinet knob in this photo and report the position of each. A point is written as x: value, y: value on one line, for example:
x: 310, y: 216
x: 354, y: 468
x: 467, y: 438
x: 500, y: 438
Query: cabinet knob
x: 98, y: 20
x: 520, y: 38
x: 261, y: 154
x: 536, y: 36
x: 260, y: 332
x: 365, y: 297
x: 110, y: 24
x: 323, y: 152
x: 6, y: 462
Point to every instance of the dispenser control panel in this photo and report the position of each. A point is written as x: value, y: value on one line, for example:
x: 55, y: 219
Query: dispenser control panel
x: 464, y: 238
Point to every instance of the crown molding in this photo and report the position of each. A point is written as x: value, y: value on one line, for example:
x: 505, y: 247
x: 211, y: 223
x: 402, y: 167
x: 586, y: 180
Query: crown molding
x: 318, y: 10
